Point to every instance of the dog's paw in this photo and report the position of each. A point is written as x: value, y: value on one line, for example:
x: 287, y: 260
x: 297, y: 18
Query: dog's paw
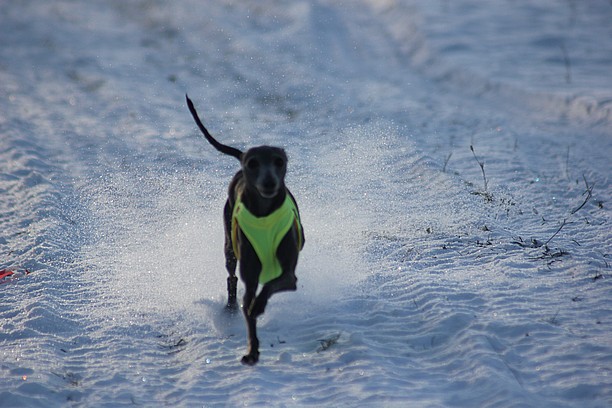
x: 232, y: 309
x: 250, y: 359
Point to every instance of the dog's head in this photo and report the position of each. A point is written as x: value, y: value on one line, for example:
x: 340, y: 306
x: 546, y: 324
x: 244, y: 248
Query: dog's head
x: 264, y: 168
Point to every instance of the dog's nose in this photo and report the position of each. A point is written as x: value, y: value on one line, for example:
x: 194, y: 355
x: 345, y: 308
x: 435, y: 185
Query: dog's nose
x: 269, y: 184
x: 268, y: 187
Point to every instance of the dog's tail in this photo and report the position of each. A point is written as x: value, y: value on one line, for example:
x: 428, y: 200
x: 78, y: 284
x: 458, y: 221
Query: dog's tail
x: 220, y: 147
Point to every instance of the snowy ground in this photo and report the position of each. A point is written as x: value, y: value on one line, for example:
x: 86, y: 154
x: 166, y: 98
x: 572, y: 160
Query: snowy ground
x: 421, y: 284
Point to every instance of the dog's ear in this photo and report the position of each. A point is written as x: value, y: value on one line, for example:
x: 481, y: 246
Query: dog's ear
x: 250, y: 163
x: 281, y: 158
x: 280, y: 162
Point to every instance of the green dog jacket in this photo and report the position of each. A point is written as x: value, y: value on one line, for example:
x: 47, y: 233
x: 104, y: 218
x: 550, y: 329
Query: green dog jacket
x: 265, y: 234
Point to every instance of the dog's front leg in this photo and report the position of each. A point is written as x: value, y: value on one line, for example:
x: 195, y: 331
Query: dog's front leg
x: 250, y: 268
x: 253, y: 306
x: 252, y: 355
x: 287, y: 255
x: 286, y: 282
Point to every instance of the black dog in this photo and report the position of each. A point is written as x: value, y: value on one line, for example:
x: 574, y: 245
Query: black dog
x: 262, y: 230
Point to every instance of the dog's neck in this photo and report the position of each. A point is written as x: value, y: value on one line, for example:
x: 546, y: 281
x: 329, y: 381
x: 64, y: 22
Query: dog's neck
x: 260, y: 206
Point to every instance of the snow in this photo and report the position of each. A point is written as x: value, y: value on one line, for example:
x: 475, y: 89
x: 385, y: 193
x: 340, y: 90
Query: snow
x: 419, y: 285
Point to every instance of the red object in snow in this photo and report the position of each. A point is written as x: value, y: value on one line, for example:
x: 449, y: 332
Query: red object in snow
x: 8, y: 275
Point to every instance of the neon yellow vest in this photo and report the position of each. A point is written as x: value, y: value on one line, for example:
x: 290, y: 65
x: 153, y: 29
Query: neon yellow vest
x: 265, y: 234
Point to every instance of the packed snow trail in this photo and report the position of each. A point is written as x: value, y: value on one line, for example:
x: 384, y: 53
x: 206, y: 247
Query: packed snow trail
x: 420, y: 283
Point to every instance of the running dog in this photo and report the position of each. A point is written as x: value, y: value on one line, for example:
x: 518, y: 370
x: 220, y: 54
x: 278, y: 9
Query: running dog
x: 262, y: 230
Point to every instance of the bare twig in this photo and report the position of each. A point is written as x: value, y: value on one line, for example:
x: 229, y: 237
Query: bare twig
x: 568, y: 64
x: 589, y: 193
x: 567, y: 163
x: 555, y: 234
x: 481, y: 164
x: 446, y: 162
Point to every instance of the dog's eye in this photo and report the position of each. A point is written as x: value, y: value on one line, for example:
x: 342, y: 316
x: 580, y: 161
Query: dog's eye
x: 253, y: 164
x: 278, y: 162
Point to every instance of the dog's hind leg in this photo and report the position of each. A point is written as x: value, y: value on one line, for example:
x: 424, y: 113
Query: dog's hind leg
x: 230, y: 258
